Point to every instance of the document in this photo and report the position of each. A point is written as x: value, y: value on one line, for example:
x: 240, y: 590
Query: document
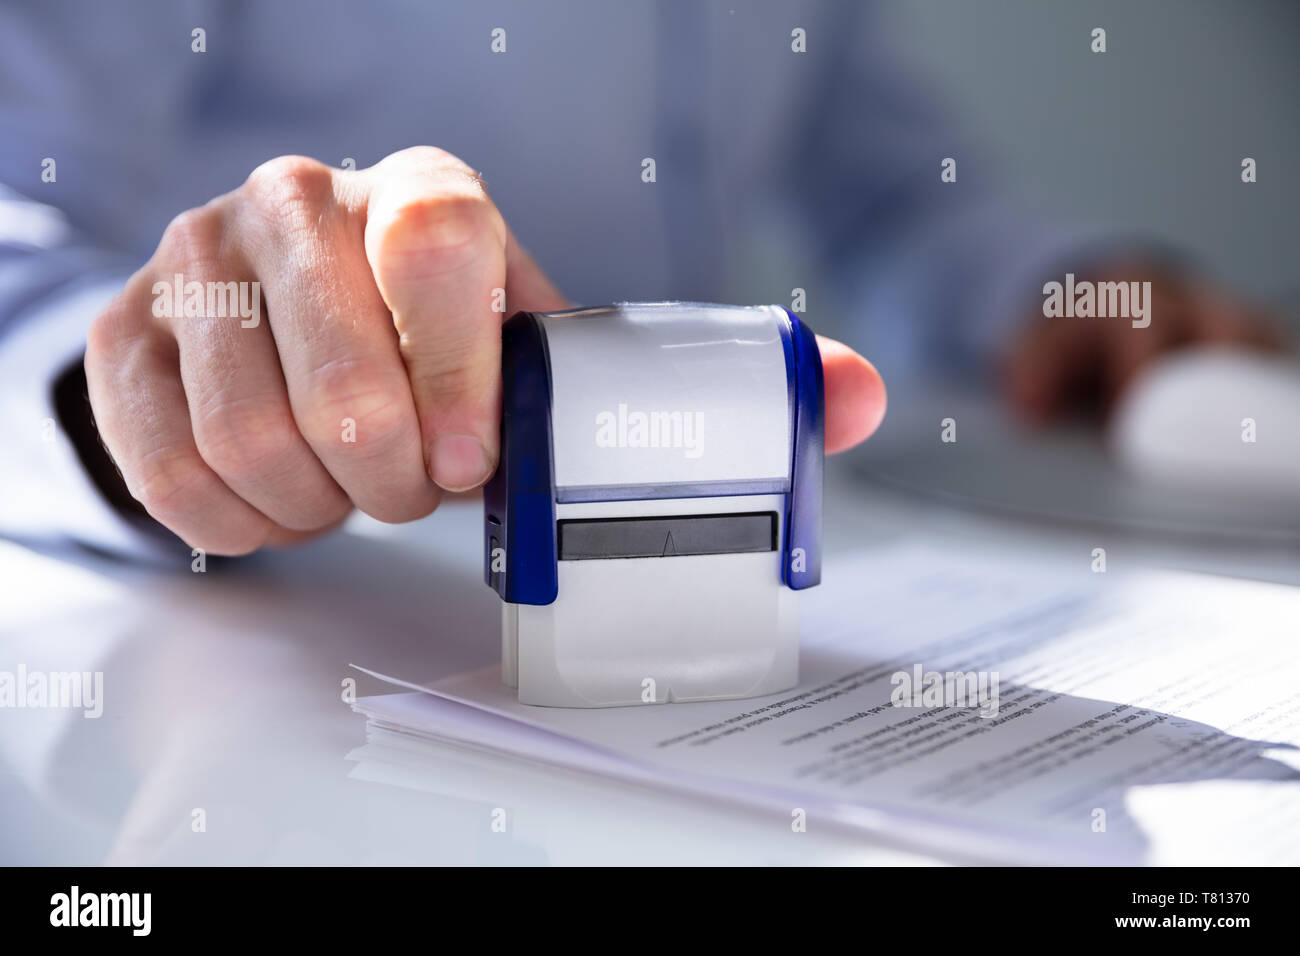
x: 999, y: 711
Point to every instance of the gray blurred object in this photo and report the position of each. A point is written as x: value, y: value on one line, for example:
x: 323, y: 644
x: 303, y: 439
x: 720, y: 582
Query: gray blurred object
x: 1224, y: 421
x: 1155, y: 471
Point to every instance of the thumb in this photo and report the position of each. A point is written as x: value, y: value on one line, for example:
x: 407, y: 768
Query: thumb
x: 446, y: 266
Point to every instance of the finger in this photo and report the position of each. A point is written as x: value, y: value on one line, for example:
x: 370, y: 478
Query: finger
x: 239, y: 406
x: 855, y: 395
x: 438, y: 249
x: 1048, y: 366
x: 347, y: 386
x: 133, y: 378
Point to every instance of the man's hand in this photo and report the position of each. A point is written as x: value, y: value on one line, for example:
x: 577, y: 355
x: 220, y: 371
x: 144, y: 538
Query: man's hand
x: 374, y: 377
x: 1065, y: 365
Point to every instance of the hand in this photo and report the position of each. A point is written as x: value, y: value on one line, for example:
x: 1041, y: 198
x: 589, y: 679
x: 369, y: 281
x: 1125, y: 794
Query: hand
x: 1061, y: 365
x: 369, y: 378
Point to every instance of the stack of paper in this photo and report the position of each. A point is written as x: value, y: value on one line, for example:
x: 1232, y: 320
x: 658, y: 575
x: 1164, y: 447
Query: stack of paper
x: 1109, y: 719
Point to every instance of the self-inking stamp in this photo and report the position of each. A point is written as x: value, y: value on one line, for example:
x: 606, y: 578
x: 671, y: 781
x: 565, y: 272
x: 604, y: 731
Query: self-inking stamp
x: 657, y: 507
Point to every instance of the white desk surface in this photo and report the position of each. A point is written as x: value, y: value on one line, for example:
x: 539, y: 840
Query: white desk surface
x: 223, y: 692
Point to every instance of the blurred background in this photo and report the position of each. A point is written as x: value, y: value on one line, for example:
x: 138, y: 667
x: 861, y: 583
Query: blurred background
x: 1141, y: 137
x: 907, y: 175
x: 1139, y: 141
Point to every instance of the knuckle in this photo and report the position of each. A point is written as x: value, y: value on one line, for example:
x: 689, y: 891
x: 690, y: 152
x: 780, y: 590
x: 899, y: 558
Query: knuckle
x: 101, y: 335
x: 245, y: 538
x: 109, y: 328
x: 433, y: 234
x: 432, y: 155
x: 424, y: 160
x: 291, y: 182
x: 402, y: 509
x: 175, y: 488
x: 243, y: 439
x: 328, y: 512
x: 169, y: 483
x: 353, y: 401
x: 453, y: 378
x: 241, y: 543
x: 195, y: 235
